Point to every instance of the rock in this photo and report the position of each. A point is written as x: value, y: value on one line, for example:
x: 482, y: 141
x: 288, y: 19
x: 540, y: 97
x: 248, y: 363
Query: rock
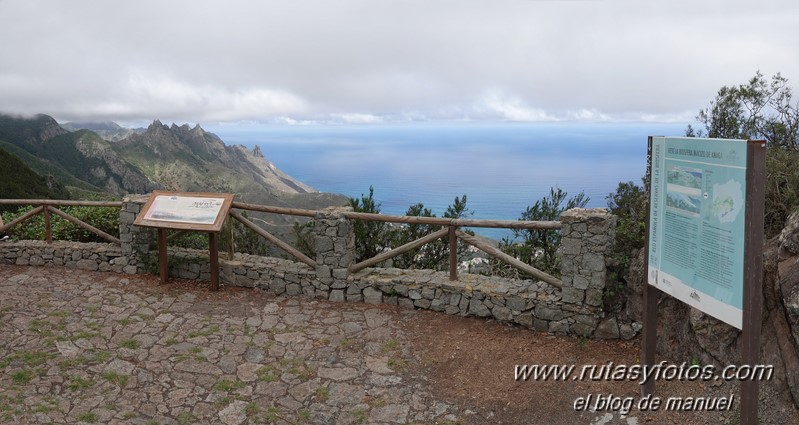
x: 234, y: 413
x: 372, y: 296
x: 337, y: 373
x: 789, y: 237
x: 478, y: 309
x: 607, y: 329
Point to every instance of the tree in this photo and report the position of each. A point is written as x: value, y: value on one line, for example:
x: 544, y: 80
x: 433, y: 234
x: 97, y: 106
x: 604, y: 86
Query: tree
x: 761, y: 109
x: 758, y: 109
x: 629, y: 204
x: 538, y: 247
x: 410, y: 232
x: 371, y: 237
x: 434, y: 255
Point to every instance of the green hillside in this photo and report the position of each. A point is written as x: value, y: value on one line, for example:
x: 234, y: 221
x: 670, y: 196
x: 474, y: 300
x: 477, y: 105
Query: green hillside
x: 18, y: 181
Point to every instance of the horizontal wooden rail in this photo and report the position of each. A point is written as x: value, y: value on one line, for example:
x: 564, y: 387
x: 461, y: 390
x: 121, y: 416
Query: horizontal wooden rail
x: 21, y: 218
x: 61, y: 203
x: 398, y: 218
x: 509, y: 224
x: 459, y: 222
x: 271, y: 238
x: 275, y: 210
x: 538, y: 274
x: 398, y: 250
x: 83, y: 225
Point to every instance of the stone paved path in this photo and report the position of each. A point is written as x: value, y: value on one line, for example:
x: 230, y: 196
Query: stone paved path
x: 90, y: 347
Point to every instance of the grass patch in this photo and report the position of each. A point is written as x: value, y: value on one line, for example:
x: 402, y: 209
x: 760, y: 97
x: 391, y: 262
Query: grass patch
x: 251, y: 409
x: 87, y: 417
x: 42, y: 327
x: 303, y: 415
x: 267, y: 373
x: 359, y: 415
x: 297, y: 368
x: 226, y: 385
x: 76, y: 383
x: 208, y: 332
x: 273, y: 414
x: 390, y: 345
x: 22, y: 377
x: 95, y: 357
x: 130, y: 343
x: 84, y: 335
x: 396, y: 363
x: 185, y: 418
x: 322, y: 393
x: 28, y: 358
x: 116, y: 378
x: 193, y: 353
x: 222, y: 402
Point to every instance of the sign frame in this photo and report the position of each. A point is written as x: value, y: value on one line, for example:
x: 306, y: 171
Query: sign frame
x: 752, y: 311
x: 159, y: 203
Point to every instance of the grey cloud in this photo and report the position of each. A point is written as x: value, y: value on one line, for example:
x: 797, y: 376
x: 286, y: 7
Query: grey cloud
x: 361, y: 61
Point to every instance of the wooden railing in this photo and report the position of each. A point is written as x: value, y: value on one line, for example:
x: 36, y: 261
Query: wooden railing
x: 449, y: 229
x: 48, y: 206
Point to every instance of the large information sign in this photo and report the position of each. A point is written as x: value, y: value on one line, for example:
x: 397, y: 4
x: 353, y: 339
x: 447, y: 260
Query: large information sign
x: 696, y: 223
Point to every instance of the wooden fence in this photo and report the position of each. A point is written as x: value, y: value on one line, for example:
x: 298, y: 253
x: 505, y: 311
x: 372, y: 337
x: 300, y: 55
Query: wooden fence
x: 449, y: 229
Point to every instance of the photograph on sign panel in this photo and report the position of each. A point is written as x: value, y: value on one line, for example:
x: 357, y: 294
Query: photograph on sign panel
x: 185, y: 209
x: 683, y: 189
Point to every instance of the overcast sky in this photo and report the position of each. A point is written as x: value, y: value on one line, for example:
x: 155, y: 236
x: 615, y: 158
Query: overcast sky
x: 386, y: 60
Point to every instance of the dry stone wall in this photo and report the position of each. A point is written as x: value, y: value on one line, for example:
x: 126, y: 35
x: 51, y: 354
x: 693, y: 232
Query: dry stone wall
x: 587, y: 239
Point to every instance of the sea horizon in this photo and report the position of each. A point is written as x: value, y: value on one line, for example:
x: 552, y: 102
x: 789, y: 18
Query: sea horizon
x: 502, y: 167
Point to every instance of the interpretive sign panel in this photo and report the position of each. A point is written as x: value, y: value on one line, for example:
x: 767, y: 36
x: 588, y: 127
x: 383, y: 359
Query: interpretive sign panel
x: 188, y: 211
x: 696, y: 223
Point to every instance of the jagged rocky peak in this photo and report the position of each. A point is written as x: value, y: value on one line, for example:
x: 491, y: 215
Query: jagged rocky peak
x: 49, y: 128
x: 157, y: 125
x: 256, y: 151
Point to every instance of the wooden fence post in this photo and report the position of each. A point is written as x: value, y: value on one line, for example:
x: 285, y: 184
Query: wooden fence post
x: 48, y: 231
x: 453, y: 254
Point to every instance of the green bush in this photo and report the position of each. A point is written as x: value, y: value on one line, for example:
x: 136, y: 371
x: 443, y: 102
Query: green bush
x: 103, y: 218
x: 629, y: 204
x: 538, y: 247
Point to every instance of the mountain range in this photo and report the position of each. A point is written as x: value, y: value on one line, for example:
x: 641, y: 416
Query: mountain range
x: 106, y: 160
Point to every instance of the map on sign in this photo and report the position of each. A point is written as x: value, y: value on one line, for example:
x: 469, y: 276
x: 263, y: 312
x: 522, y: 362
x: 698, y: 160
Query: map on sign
x: 728, y: 201
x: 696, y: 239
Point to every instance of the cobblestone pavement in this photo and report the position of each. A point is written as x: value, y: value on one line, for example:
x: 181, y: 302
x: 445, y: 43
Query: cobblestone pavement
x: 91, y: 347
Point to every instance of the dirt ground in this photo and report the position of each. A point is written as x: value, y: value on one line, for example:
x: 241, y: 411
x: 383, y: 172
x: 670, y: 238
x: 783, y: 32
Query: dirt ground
x: 472, y: 361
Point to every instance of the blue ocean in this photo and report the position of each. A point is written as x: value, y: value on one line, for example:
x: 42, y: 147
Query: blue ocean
x: 502, y: 168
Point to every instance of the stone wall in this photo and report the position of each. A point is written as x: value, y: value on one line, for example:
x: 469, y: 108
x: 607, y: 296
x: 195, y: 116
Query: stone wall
x: 587, y: 239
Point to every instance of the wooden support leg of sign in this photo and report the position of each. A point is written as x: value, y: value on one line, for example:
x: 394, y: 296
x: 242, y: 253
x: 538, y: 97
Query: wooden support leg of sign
x: 753, y: 276
x: 163, y: 263
x: 213, y: 244
x: 650, y: 299
x: 649, y: 334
